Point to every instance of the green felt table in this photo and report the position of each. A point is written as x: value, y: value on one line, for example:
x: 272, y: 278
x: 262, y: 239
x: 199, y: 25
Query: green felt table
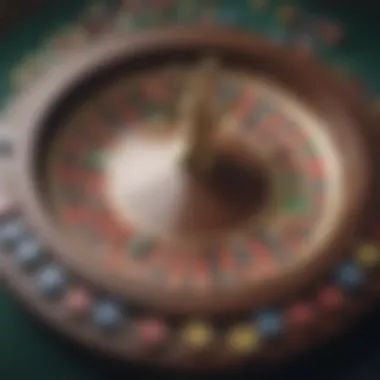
x: 26, y: 349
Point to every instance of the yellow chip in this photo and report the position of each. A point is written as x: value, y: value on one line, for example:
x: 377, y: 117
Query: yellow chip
x: 198, y: 335
x: 368, y: 255
x: 243, y: 339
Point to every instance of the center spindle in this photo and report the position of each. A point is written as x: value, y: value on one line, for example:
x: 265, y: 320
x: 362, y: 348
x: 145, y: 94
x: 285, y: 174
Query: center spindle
x: 201, y: 117
x: 216, y: 149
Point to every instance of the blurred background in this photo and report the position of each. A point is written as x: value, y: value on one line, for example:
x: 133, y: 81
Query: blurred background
x: 35, y: 33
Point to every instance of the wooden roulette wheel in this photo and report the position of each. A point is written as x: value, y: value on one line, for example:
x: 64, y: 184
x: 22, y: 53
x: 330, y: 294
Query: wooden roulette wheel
x: 192, y: 198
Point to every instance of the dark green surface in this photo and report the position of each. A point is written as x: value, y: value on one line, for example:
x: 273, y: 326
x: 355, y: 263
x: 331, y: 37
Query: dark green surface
x: 28, y: 351
x: 27, y: 37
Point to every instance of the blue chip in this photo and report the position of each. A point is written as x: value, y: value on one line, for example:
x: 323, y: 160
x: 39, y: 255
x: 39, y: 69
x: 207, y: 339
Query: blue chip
x: 350, y: 276
x: 107, y: 315
x: 52, y: 281
x: 11, y: 232
x: 270, y: 324
x: 28, y: 253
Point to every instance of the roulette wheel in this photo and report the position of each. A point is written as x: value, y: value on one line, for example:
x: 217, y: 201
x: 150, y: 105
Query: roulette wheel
x: 191, y: 197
